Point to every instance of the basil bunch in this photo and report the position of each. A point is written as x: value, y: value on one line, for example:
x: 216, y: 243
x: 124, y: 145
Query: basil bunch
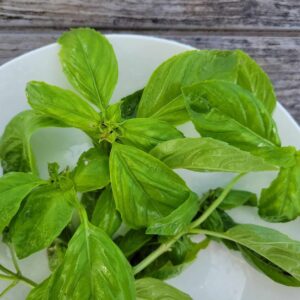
x: 127, y: 175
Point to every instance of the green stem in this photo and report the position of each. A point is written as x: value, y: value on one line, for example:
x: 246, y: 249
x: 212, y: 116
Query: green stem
x: 217, y: 202
x: 7, y: 289
x: 18, y: 276
x: 167, y: 245
x: 155, y: 254
x: 6, y: 277
x: 210, y: 233
x: 14, y: 258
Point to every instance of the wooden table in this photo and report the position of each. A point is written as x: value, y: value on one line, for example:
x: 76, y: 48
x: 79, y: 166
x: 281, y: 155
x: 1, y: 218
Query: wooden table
x: 269, y: 30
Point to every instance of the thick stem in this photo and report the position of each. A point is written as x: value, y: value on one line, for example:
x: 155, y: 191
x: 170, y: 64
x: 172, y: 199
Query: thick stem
x: 217, y: 202
x: 155, y: 254
x: 167, y: 245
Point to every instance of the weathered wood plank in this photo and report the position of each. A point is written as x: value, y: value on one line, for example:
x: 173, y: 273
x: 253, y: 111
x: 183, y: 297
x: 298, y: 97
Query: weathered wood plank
x: 279, y: 56
x: 149, y: 14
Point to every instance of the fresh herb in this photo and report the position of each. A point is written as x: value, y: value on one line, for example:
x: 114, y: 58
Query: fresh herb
x: 127, y: 179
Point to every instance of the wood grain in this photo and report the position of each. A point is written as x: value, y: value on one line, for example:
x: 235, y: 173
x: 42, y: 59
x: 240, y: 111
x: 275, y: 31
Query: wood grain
x: 279, y: 56
x: 153, y: 14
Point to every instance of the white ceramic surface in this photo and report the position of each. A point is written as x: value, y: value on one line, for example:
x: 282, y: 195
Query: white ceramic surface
x: 218, y: 274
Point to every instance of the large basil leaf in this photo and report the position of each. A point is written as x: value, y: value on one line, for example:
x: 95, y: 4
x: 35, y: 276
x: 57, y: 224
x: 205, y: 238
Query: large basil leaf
x: 90, y: 64
x: 280, y: 202
x: 274, y: 246
x: 253, y: 78
x: 180, y: 70
x: 144, y: 188
x: 92, y: 171
x: 145, y: 133
x: 93, y: 268
x: 207, y: 154
x: 225, y: 111
x: 15, y: 149
x: 105, y: 214
x: 63, y: 105
x: 14, y: 187
x: 45, y: 214
x: 178, y: 220
x: 155, y: 289
x: 132, y: 241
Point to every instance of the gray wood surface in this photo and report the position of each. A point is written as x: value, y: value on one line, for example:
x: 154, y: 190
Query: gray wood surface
x: 269, y: 30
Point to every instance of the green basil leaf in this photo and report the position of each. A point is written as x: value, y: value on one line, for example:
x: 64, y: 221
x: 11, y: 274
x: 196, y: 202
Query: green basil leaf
x: 271, y: 270
x: 93, y: 268
x: 45, y: 214
x: 236, y: 198
x: 280, y: 202
x: 39, y: 292
x: 15, y: 149
x: 174, y: 112
x: 129, y: 104
x: 154, y: 289
x: 92, y: 171
x: 90, y: 64
x: 184, y: 69
x: 146, y: 133
x: 56, y: 253
x: 144, y: 188
x: 105, y: 214
x: 14, y: 187
x: 274, y: 246
x: 178, y: 220
x: 225, y: 111
x: 253, y: 78
x: 132, y: 241
x: 207, y: 154
x: 63, y: 105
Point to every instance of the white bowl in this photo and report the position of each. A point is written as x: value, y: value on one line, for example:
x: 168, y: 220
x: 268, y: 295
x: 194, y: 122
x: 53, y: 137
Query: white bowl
x: 217, y: 273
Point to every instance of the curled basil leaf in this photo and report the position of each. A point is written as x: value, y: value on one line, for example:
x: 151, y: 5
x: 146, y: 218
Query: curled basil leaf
x: 15, y: 149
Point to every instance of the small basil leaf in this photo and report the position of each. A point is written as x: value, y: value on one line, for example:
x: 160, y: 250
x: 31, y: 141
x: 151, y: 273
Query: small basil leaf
x: 93, y: 268
x: 45, y: 214
x: 15, y: 149
x: 154, y: 289
x: 40, y: 292
x: 132, y: 241
x: 14, y: 187
x: 280, y: 202
x: 129, y: 104
x: 56, y: 253
x: 253, y: 78
x: 184, y: 69
x: 63, y: 105
x: 271, y: 270
x: 92, y: 171
x: 144, y: 188
x: 178, y: 220
x: 90, y: 64
x: 174, y: 112
x: 236, y: 198
x: 146, y: 133
x: 207, y: 154
x: 105, y: 214
x: 225, y: 111
x: 274, y: 246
